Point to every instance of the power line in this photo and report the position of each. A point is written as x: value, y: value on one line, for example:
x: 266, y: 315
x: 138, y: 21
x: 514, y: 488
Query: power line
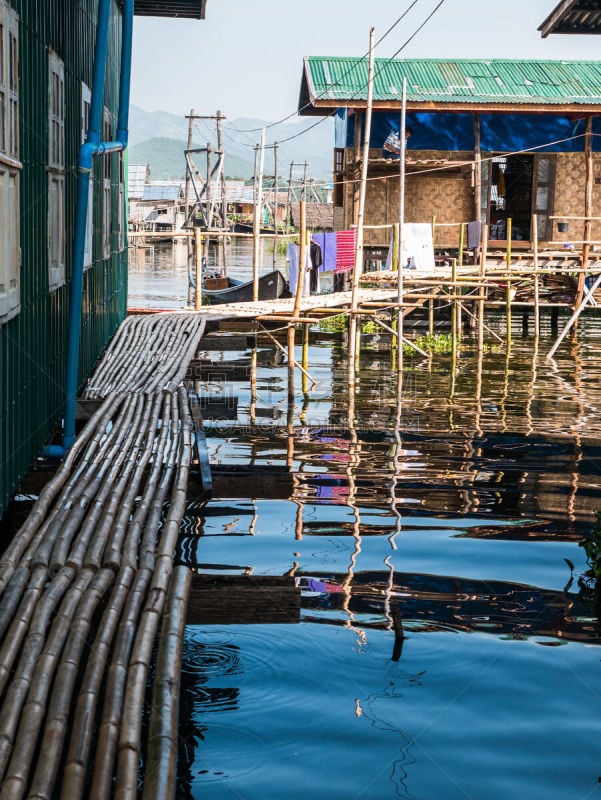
x: 358, y: 61
x: 348, y: 72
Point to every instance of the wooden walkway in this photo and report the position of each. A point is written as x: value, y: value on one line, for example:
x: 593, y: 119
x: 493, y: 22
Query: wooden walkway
x: 89, y: 583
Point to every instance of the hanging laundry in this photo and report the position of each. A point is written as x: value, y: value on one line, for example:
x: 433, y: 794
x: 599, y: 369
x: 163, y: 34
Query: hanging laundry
x: 327, y: 243
x: 292, y: 257
x: 474, y: 230
x: 345, y: 251
x: 316, y: 260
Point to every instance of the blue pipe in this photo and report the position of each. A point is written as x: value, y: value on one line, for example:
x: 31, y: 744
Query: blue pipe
x: 93, y: 147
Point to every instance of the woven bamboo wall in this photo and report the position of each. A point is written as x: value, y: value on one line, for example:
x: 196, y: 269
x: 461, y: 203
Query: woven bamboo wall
x: 570, y: 182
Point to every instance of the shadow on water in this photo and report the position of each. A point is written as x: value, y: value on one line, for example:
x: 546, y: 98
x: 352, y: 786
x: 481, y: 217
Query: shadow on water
x: 461, y: 506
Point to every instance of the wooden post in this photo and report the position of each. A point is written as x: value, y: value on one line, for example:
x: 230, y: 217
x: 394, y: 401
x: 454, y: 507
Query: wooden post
x: 400, y: 287
x: 275, y: 203
x: 461, y: 243
x: 588, y: 210
x: 396, y: 246
x: 257, y: 217
x: 302, y: 257
x: 198, y: 256
x: 289, y: 198
x: 536, y: 276
x: 483, y: 254
x: 477, y: 170
x: 454, y: 302
x: 358, y: 267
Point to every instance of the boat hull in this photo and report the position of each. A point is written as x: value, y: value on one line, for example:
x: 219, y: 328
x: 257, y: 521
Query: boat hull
x: 271, y: 286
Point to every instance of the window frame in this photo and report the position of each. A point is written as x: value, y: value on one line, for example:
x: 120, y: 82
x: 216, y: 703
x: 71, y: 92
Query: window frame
x: 86, y: 102
x: 56, y: 171
x: 10, y: 165
x: 107, y: 134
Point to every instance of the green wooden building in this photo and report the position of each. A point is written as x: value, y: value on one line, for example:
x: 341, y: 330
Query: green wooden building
x: 47, y: 57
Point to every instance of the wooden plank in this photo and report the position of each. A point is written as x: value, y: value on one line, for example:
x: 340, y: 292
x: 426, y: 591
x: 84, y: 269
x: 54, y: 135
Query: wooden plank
x: 219, y: 407
x: 223, y: 342
x: 201, y: 444
x: 216, y: 371
x: 84, y: 409
x: 243, y: 600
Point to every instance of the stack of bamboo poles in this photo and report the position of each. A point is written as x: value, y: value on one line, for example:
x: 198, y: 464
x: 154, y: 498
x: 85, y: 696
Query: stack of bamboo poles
x: 148, y: 353
x: 87, y: 583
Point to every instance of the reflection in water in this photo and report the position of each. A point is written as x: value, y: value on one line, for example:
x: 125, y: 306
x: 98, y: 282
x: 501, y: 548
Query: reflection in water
x: 461, y: 506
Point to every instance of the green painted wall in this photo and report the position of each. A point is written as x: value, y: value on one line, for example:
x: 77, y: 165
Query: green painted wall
x: 33, y: 343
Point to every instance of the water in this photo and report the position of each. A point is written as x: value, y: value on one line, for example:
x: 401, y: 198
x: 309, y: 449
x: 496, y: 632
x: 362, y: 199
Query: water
x: 158, y: 274
x: 463, y: 511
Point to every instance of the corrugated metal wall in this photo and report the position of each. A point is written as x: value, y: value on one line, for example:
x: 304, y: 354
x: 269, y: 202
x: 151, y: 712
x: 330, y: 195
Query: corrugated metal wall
x: 33, y: 343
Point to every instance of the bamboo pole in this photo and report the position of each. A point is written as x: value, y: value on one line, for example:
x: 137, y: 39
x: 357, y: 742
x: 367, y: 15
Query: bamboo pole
x: 257, y: 218
x: 588, y: 210
x: 402, y: 176
x: 198, y: 265
x: 358, y: 266
x: 482, y: 273
x: 160, y: 770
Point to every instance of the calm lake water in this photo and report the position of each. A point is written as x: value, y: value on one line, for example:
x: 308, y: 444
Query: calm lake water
x: 463, y: 509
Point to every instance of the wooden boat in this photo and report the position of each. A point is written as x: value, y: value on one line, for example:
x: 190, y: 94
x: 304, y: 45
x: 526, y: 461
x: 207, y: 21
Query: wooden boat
x: 229, y: 290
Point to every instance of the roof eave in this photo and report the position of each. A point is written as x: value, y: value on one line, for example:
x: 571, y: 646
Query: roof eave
x: 325, y: 107
x: 184, y: 9
x: 556, y: 17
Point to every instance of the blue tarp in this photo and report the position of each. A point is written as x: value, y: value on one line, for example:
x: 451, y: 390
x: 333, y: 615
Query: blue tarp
x: 498, y: 132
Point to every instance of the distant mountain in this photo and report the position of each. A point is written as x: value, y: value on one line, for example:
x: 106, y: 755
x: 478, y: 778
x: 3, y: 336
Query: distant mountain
x: 159, y: 139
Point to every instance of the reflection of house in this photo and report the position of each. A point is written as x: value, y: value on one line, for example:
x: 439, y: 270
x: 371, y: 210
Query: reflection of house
x: 47, y: 55
x: 491, y: 140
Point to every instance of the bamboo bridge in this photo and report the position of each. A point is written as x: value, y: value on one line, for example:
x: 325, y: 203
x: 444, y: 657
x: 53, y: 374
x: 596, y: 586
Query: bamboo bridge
x: 89, y: 583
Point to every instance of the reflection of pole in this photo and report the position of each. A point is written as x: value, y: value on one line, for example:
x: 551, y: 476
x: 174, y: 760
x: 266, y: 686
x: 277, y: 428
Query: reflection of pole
x: 536, y: 278
x: 508, y: 288
x: 291, y: 393
x: 253, y: 384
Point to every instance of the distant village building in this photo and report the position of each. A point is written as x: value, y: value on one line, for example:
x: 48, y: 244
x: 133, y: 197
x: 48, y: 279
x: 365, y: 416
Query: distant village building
x: 491, y: 140
x: 154, y: 206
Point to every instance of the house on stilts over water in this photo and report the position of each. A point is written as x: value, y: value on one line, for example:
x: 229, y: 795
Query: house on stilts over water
x: 64, y: 81
x: 490, y: 141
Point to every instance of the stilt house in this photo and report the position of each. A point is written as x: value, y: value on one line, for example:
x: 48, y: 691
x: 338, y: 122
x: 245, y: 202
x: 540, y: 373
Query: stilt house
x: 489, y: 140
x: 63, y: 64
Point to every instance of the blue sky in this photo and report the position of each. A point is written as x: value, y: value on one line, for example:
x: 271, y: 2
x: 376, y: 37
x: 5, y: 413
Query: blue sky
x: 245, y: 58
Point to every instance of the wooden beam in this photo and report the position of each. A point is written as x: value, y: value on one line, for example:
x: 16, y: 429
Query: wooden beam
x: 243, y: 600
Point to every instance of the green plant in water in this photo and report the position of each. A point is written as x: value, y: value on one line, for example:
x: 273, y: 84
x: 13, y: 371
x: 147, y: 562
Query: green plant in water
x: 335, y: 324
x: 592, y: 548
x: 436, y: 343
x: 371, y: 327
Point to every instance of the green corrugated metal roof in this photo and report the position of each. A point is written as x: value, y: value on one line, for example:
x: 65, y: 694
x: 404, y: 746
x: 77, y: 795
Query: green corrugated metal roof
x: 342, y: 81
